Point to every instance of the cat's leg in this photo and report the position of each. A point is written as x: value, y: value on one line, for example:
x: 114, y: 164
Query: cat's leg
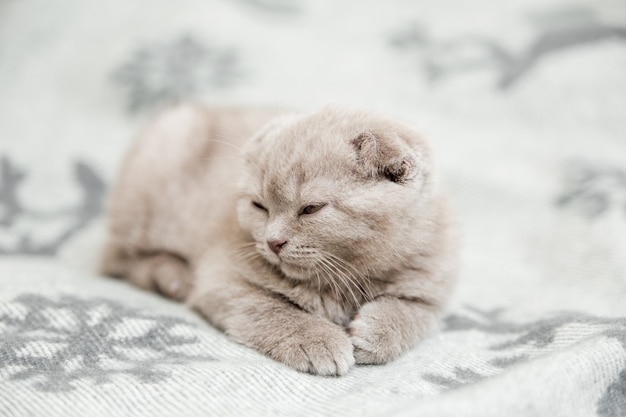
x: 162, y: 271
x: 385, y: 328
x: 270, y: 323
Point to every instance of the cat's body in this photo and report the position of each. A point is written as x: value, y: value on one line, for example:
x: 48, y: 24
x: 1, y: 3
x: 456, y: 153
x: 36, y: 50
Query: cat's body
x: 317, y: 239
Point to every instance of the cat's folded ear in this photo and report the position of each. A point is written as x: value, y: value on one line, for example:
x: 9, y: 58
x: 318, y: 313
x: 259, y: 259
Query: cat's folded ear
x: 386, y: 155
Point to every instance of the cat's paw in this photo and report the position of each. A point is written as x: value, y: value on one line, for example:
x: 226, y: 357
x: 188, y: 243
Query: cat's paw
x: 375, y: 341
x: 320, y: 348
x: 172, y: 277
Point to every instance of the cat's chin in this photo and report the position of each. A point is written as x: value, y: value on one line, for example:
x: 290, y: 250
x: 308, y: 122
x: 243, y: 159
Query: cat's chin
x: 295, y: 272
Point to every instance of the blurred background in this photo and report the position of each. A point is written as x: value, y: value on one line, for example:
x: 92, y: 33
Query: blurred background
x: 524, y: 101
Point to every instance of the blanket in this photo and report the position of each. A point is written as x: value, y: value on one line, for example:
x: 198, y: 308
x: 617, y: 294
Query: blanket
x: 524, y: 102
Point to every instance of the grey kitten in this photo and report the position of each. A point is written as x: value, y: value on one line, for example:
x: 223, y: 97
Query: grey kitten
x: 320, y: 239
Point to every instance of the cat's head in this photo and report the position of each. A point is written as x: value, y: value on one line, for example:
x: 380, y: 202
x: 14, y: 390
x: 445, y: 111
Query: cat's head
x: 336, y: 191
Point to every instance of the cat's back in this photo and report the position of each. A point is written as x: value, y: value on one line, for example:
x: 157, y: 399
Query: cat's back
x: 175, y: 190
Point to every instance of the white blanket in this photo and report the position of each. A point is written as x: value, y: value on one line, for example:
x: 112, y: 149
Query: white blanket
x: 524, y: 101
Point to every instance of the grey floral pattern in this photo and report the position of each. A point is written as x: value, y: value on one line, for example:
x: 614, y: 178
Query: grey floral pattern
x: 185, y: 67
x: 556, y: 31
x: 593, y: 189
x: 56, y: 343
x: 613, y: 402
x: 538, y: 333
x: 13, y: 209
x: 461, y: 376
x: 535, y: 333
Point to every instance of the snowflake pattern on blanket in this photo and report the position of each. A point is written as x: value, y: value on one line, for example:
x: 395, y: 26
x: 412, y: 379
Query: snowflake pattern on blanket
x: 57, y: 343
x: 18, y: 221
x: 557, y: 30
x: 498, y: 343
x: 594, y: 189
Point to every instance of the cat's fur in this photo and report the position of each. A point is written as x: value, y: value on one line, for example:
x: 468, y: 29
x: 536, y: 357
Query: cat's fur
x: 207, y: 198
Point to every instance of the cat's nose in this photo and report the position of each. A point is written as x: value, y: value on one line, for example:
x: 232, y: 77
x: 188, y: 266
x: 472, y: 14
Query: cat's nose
x: 276, y: 245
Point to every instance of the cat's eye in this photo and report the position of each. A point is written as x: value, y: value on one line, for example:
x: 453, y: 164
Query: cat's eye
x: 259, y: 205
x: 311, y: 208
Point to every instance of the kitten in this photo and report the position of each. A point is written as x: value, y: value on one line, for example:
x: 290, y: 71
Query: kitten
x: 321, y: 241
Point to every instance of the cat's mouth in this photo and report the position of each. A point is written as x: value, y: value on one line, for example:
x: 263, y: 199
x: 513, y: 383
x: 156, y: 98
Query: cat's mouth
x: 298, y: 268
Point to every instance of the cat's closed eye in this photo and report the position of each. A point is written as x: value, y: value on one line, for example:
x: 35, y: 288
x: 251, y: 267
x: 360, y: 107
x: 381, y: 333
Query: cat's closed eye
x: 311, y: 208
x: 259, y: 206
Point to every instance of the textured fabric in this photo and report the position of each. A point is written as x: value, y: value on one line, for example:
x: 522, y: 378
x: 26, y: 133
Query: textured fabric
x: 524, y: 101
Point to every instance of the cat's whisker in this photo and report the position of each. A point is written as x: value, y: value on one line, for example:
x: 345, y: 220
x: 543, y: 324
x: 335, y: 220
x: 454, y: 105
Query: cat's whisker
x: 228, y: 135
x: 245, y: 252
x: 330, y: 275
x: 224, y: 133
x: 319, y: 282
x: 248, y: 255
x: 360, y: 281
x: 232, y: 133
x: 339, y: 263
x: 350, y: 283
x: 364, y: 281
x: 239, y: 149
x: 329, y: 281
x: 345, y: 280
x: 242, y: 247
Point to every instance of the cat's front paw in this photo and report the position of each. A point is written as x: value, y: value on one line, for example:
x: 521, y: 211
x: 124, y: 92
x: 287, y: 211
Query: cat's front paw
x: 376, y: 341
x: 320, y: 348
